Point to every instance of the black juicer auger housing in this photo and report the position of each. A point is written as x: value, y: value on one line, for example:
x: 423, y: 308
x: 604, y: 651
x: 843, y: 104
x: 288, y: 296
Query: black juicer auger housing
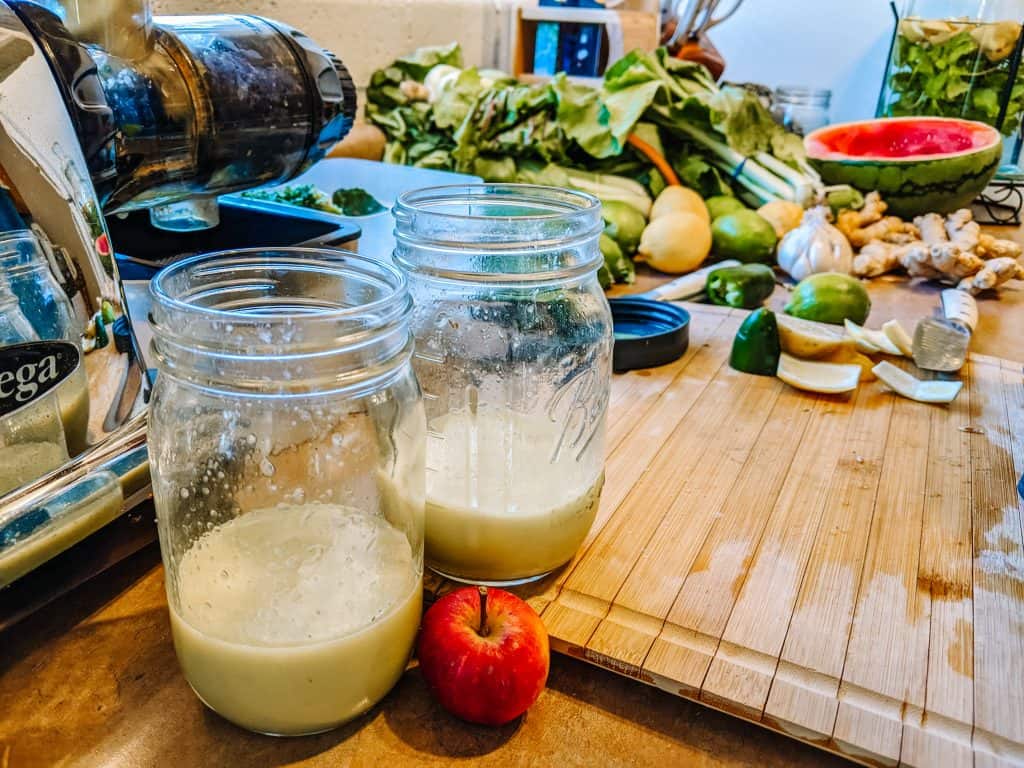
x: 173, y: 111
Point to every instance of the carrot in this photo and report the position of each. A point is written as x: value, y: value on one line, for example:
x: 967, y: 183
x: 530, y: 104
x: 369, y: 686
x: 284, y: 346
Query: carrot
x: 656, y: 158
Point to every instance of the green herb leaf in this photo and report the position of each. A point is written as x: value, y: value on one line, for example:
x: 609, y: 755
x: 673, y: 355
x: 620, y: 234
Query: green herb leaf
x: 957, y: 76
x: 300, y: 195
x: 356, y: 202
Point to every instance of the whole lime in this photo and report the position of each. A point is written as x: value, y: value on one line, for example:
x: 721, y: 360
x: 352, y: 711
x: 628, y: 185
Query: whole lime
x: 625, y: 224
x: 744, y: 235
x: 721, y: 205
x: 830, y: 297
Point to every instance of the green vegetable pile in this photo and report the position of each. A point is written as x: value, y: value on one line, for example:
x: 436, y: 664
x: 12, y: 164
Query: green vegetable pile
x: 719, y: 141
x: 344, y: 202
x: 957, y: 69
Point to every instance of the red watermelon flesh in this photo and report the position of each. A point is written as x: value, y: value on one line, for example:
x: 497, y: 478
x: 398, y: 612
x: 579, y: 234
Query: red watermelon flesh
x: 901, y: 140
x: 917, y: 164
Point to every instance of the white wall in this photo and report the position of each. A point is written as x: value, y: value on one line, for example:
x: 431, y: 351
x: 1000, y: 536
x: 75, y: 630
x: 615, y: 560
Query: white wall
x: 836, y: 44
x: 369, y: 34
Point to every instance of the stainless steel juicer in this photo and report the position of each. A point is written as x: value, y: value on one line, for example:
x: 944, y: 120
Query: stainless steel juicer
x: 110, y: 116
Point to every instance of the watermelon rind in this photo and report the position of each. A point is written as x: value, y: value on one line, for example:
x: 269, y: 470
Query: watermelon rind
x: 913, y: 186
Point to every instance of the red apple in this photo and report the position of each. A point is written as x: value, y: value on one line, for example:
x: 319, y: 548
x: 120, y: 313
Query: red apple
x: 484, y: 654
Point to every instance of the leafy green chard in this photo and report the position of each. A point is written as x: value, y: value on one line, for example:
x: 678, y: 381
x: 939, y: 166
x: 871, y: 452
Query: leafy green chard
x: 559, y: 133
x: 619, y: 268
x: 956, y: 69
x: 400, y: 112
x: 716, y: 138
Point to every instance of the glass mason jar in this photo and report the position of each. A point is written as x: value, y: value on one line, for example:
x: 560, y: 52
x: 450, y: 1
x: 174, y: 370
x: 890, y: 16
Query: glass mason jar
x: 513, y: 352
x: 286, y: 445
x: 42, y: 300
x: 32, y: 439
x: 952, y: 58
x: 800, y: 109
x: 52, y: 318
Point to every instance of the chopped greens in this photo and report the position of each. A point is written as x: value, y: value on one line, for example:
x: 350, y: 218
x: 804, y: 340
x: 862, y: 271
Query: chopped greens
x: 356, y: 202
x: 344, y: 202
x: 300, y: 195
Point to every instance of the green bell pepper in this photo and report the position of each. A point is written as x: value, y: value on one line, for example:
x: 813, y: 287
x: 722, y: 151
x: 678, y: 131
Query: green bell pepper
x: 743, y: 287
x: 756, y: 348
x: 102, y: 337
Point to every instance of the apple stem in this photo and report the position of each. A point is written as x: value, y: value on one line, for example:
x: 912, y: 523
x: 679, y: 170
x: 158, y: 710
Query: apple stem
x: 484, y: 631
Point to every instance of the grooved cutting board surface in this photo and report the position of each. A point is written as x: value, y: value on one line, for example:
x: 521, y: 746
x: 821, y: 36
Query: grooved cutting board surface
x: 849, y: 571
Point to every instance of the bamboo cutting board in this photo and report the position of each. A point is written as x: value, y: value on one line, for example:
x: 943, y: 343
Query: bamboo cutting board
x: 849, y: 571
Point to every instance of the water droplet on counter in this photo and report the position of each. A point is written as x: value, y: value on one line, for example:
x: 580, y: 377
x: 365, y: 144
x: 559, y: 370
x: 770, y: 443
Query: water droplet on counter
x: 267, y: 469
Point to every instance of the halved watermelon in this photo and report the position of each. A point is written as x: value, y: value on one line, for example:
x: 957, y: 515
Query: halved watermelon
x: 918, y: 164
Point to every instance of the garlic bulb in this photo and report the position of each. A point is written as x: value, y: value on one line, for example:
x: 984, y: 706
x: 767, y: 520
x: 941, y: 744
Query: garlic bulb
x: 815, y: 246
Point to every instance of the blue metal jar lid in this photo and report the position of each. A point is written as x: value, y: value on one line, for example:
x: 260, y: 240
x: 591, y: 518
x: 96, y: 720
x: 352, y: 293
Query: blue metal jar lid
x: 648, y: 333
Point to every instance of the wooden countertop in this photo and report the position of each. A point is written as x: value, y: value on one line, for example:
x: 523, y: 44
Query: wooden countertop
x: 92, y: 680
x: 1000, y: 331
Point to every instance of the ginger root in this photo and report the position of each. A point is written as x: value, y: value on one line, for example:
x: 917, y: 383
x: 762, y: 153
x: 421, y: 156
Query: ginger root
x: 889, y: 229
x: 994, y: 273
x: 917, y: 260
x: 993, y: 248
x: 870, y: 223
x: 963, y: 230
x: 873, y: 210
x: 932, y: 228
x: 943, y: 262
x: 952, y: 249
x: 876, y: 258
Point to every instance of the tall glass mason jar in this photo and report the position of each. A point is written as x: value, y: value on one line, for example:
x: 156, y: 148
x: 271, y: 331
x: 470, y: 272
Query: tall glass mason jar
x: 286, y: 441
x: 513, y: 352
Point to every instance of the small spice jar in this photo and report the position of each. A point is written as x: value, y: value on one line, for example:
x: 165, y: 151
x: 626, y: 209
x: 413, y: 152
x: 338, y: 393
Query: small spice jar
x: 286, y: 443
x: 513, y: 352
x: 800, y: 109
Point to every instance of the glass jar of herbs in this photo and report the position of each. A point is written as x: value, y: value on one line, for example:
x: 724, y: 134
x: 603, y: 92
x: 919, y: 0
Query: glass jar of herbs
x: 960, y: 59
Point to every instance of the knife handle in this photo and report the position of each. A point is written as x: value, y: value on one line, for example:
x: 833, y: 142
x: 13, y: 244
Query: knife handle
x: 960, y: 307
x: 687, y: 286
